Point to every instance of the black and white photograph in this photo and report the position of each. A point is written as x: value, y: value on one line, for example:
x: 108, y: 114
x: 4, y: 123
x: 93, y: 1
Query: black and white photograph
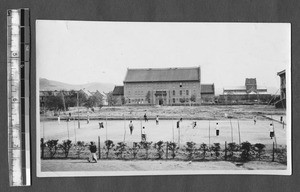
x: 162, y: 98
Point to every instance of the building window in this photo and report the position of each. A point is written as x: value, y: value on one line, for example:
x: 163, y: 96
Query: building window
x: 128, y: 100
x: 173, y: 92
x: 187, y: 92
x: 173, y: 100
x: 180, y: 92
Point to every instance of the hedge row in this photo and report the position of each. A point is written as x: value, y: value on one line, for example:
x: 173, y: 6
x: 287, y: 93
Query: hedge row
x: 163, y: 150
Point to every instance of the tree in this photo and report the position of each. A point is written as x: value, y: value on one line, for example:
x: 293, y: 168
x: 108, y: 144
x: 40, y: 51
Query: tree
x: 135, y: 149
x: 190, y: 149
x: 216, y: 149
x: 182, y: 100
x: 52, y: 147
x: 120, y: 149
x: 95, y: 100
x: 123, y: 100
x: 65, y: 146
x: 232, y: 147
x: 71, y: 98
x: 80, y: 147
x: 172, y: 146
x: 247, y: 151
x: 146, y: 145
x: 54, y: 102
x: 159, y: 147
x: 193, y: 98
x: 259, y: 148
x: 109, y: 144
x: 204, y: 149
x: 111, y: 100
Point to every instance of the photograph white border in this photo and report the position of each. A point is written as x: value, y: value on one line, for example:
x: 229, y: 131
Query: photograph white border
x: 286, y: 172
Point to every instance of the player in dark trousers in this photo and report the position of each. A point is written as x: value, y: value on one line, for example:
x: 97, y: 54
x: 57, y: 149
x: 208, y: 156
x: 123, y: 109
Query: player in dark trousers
x: 271, y: 129
x: 69, y: 119
x: 93, y: 150
x: 101, y: 125
x: 157, y: 120
x: 131, y: 127
x: 144, y: 136
x: 254, y: 120
x: 217, y: 129
x: 194, y: 124
x: 145, y: 117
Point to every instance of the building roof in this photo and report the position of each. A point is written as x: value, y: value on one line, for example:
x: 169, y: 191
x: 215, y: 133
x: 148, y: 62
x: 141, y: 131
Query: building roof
x: 86, y: 92
x: 118, y: 90
x: 163, y: 74
x: 236, y: 88
x: 208, y: 88
x: 281, y: 72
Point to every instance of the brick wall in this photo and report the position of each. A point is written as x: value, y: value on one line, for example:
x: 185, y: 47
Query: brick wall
x: 135, y: 93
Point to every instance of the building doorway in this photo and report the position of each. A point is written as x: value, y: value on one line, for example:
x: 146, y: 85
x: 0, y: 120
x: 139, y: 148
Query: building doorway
x: 160, y: 101
x: 161, y: 97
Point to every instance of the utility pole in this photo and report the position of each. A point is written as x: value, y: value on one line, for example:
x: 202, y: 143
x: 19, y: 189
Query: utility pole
x: 78, y: 110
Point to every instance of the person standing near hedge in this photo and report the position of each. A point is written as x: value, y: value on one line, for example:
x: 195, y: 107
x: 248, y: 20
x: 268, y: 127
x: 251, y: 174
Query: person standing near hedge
x: 131, y: 127
x: 93, y: 150
x: 217, y: 129
x: 157, y: 120
x: 144, y: 136
x: 271, y: 128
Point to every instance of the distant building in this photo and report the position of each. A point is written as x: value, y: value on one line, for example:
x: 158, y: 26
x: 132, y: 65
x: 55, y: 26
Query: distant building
x: 250, y: 92
x: 250, y: 87
x: 118, y: 95
x: 85, y: 92
x: 282, y: 102
x: 104, y: 98
x: 281, y: 74
x: 207, y: 93
x: 162, y: 86
x: 98, y: 95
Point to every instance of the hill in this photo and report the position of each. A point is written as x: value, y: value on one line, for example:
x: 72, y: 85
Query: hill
x: 50, y: 85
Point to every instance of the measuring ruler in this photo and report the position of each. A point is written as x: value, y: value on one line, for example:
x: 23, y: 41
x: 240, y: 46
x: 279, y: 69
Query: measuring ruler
x: 18, y: 60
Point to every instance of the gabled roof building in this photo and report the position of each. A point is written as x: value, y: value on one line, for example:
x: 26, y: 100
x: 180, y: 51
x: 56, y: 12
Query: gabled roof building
x: 163, y: 86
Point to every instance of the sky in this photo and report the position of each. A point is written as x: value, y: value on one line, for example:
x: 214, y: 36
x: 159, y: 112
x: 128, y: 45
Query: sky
x: 78, y: 52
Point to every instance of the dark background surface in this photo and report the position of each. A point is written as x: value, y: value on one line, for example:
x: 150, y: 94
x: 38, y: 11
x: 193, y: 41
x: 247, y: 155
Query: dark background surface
x: 148, y: 10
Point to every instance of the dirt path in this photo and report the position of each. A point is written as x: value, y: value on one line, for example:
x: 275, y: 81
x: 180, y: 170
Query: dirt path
x: 157, y: 165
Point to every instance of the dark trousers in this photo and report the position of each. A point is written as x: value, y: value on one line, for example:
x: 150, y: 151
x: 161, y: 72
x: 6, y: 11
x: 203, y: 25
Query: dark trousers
x: 217, y: 132
x: 131, y: 129
x: 143, y: 137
